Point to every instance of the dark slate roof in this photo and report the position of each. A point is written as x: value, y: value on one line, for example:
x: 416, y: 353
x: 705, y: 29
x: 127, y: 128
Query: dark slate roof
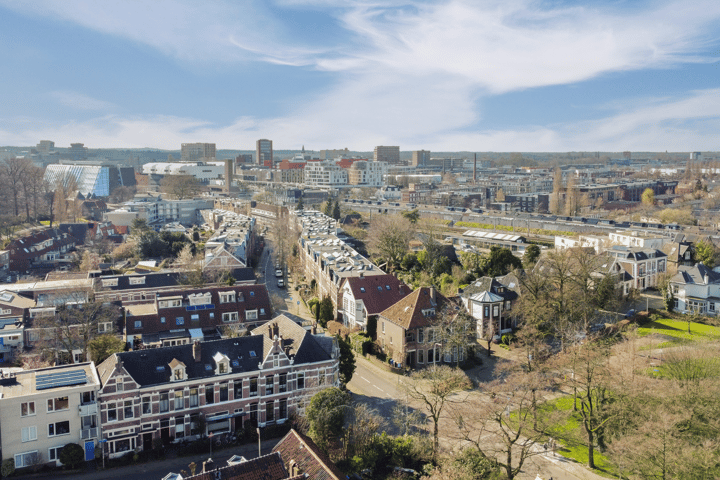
x: 244, y: 274
x: 152, y: 280
x: 267, y: 467
x: 634, y: 253
x: 142, y: 365
x: 506, y: 286
x: 696, y: 275
x: 300, y: 449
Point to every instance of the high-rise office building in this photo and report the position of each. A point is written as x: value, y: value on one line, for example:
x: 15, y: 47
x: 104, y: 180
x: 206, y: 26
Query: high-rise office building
x: 264, y: 151
x: 391, y: 155
x: 192, y: 152
x: 45, y: 146
x: 420, y: 158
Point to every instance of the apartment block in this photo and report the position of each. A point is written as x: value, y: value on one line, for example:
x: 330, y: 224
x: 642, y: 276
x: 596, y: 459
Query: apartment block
x: 43, y: 410
x: 389, y: 155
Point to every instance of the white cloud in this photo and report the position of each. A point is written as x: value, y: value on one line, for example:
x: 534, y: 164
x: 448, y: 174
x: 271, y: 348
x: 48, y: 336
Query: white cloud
x: 80, y: 101
x: 681, y: 124
x: 408, y: 75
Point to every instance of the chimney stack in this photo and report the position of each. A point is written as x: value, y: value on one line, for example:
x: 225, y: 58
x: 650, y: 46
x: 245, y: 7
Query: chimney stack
x: 475, y: 170
x: 432, y: 293
x: 208, y: 465
x: 196, y: 351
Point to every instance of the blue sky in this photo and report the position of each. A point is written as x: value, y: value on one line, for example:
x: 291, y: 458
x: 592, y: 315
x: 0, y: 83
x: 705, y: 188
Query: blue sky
x: 509, y: 75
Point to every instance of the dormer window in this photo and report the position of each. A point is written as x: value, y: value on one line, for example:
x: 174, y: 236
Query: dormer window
x: 428, y: 312
x: 222, y: 364
x: 178, y: 370
x: 227, y: 297
x: 109, y: 282
x: 137, y: 280
x: 362, y: 289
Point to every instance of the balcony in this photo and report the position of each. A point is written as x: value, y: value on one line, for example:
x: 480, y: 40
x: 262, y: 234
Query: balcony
x: 88, y: 433
x: 88, y: 409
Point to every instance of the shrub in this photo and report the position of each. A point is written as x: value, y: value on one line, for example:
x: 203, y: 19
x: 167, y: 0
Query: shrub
x: 8, y: 467
x: 71, y: 455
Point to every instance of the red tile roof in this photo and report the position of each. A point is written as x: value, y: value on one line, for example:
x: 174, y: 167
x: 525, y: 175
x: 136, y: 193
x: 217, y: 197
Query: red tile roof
x: 376, y: 296
x: 408, y: 312
x: 267, y: 467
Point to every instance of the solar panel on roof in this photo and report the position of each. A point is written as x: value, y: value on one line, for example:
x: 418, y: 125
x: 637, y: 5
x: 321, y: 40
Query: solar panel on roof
x: 61, y: 379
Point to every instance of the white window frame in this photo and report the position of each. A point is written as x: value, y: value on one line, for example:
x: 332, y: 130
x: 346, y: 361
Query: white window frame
x: 27, y: 409
x: 25, y: 463
x: 231, y: 317
x: 29, y: 434
x: 251, y: 314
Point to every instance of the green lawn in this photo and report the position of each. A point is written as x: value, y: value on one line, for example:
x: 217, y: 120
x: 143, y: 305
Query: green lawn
x: 678, y: 329
x: 568, y: 436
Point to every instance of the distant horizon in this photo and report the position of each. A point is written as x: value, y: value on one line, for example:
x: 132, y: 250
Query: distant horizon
x: 439, y: 75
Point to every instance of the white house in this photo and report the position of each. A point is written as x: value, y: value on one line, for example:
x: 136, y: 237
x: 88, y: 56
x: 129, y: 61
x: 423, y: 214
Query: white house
x: 696, y: 289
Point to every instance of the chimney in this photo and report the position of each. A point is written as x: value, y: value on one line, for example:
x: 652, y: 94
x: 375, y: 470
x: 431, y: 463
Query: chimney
x: 475, y: 170
x: 119, y: 364
x: 196, y: 351
x: 362, y: 275
x: 432, y: 293
x: 208, y: 465
x: 276, y: 330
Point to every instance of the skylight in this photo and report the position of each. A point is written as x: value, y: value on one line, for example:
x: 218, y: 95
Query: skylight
x: 160, y: 368
x: 208, y: 367
x: 235, y: 363
x: 252, y: 353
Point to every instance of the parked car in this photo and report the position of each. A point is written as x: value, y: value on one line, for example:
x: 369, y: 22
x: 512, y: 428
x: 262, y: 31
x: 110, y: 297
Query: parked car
x: 280, y: 283
x: 278, y: 273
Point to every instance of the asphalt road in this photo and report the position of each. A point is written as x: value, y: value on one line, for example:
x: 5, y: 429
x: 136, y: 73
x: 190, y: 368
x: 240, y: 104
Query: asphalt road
x: 377, y: 389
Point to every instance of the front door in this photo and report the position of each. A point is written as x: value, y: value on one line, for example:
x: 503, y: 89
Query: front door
x: 90, y: 450
x: 147, y: 442
x: 165, y: 435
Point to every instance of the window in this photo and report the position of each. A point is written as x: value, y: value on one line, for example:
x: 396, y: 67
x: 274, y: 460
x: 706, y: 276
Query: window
x: 179, y: 401
x: 224, y: 393
x: 282, y: 414
x: 379, y: 288
x: 194, y: 398
x: 222, y: 367
x: 59, y: 428
x: 111, y: 412
x: 270, y: 411
x: 321, y: 378
x: 711, y: 307
x: 387, y: 287
x: 238, y: 389
x: 195, y: 424
x: 283, y: 382
x: 300, y: 380
x: 227, y: 297
x: 146, y: 406
x: 87, y: 398
x: 138, y: 323
x: 53, y: 453
x: 26, y: 459
x: 195, y: 317
x: 486, y: 311
x: 230, y: 317
x: 253, y: 387
x: 251, y: 314
x: 276, y: 360
x: 383, y: 327
x: 421, y: 356
x: 362, y: 289
x: 57, y: 404
x: 262, y: 311
x: 421, y: 335
x: 496, y: 310
x: 164, y: 402
x: 162, y: 319
x: 137, y: 280
x: 119, y: 386
x: 179, y: 427
x: 253, y: 413
x: 128, y: 411
x: 269, y: 385
x: 29, y: 434
x: 209, y: 394
x: 27, y: 408
x: 179, y: 321
x: 178, y: 374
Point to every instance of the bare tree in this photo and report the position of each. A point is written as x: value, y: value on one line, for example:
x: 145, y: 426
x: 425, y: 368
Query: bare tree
x: 502, y: 425
x: 75, y: 325
x: 390, y: 237
x: 433, y: 388
x: 13, y: 169
x: 181, y: 186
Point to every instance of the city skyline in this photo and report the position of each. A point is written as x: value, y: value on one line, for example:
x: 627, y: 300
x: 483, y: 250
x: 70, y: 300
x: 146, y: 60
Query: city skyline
x: 440, y: 76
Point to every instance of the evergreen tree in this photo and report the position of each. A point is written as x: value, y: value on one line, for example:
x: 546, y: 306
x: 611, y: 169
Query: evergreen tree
x: 347, y: 360
x: 336, y: 210
x: 300, y: 205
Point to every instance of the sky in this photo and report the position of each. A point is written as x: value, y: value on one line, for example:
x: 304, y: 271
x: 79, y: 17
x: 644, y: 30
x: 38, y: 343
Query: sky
x: 503, y: 76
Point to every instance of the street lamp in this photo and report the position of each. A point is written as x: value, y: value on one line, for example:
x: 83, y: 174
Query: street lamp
x: 102, y: 450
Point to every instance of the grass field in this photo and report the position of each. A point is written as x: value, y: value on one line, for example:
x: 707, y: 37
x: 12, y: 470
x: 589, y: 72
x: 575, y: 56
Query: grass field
x: 569, y: 435
x: 678, y: 330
